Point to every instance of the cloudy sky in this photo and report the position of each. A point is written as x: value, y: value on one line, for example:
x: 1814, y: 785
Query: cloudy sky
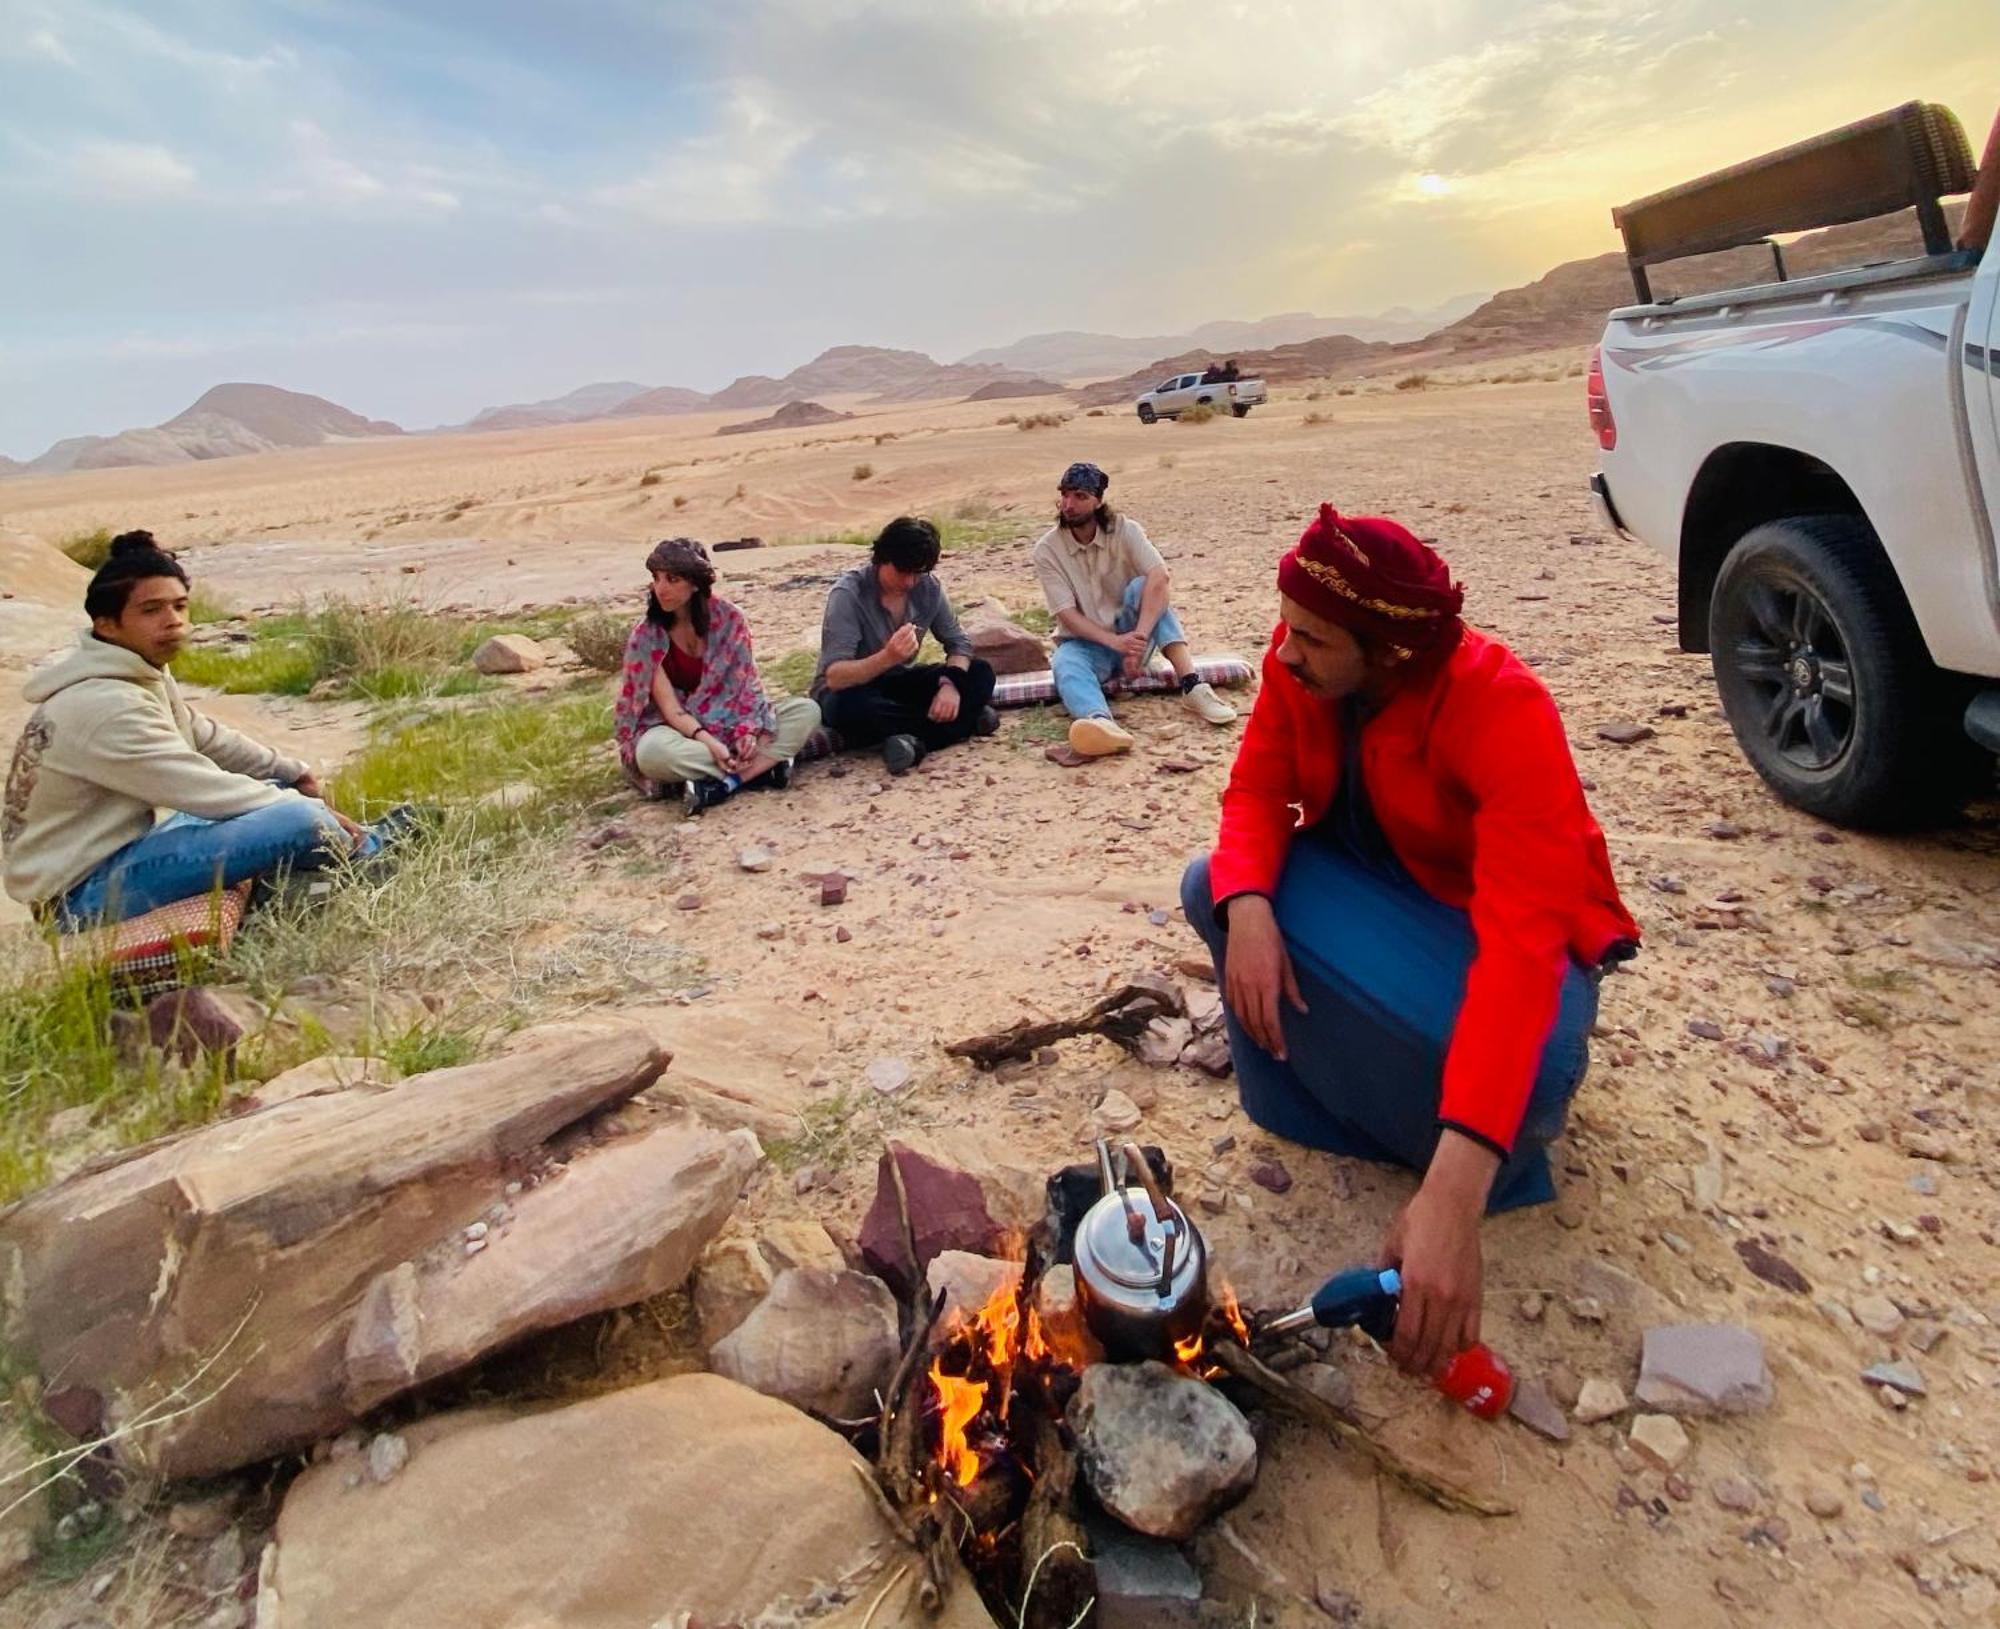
x: 421, y: 210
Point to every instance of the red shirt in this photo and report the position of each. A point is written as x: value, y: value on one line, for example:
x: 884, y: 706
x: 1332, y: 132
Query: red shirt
x: 683, y: 671
x: 1470, y: 776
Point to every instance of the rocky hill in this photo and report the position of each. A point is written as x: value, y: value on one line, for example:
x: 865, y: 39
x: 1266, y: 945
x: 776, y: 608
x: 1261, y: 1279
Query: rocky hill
x: 585, y: 402
x: 792, y: 416
x: 1564, y: 307
x: 666, y: 399
x: 228, y: 420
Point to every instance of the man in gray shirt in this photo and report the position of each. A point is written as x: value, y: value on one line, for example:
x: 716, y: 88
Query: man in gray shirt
x: 869, y: 687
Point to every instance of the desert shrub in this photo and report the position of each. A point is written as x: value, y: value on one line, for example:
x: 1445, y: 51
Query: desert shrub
x: 1200, y: 413
x: 792, y: 672
x: 886, y: 435
x: 1414, y: 381
x: 1345, y: 390
x: 680, y: 500
x: 599, y: 640
x: 1315, y: 395
x: 1037, y: 619
x: 1094, y: 413
x: 862, y: 472
x: 88, y: 549
x: 1044, y: 421
x: 1008, y: 418
x: 1317, y: 418
x: 739, y: 494
x: 652, y: 477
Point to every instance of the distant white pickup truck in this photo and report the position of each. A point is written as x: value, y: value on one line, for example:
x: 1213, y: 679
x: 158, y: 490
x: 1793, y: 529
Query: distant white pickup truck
x: 1172, y: 397
x: 1821, y: 458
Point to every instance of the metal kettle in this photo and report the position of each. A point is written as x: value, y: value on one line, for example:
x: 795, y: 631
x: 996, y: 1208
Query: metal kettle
x: 1141, y: 1266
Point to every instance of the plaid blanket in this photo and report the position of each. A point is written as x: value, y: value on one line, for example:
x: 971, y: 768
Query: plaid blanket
x: 149, y: 954
x: 1026, y: 689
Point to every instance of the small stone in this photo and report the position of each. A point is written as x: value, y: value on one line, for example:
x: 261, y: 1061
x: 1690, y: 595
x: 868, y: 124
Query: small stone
x: 224, y: 1562
x: 756, y: 858
x: 387, y: 1454
x: 688, y: 902
x: 1703, y: 1368
x: 475, y: 1232
x: 843, y: 936
x: 808, y: 1178
x: 509, y: 653
x: 1925, y: 1145
x: 1331, y: 1384
x: 1159, y: 919
x: 1624, y: 733
x: 1705, y: 1029
x: 1771, y: 1267
x: 1902, y: 1378
x: 1531, y: 1306
x: 1824, y: 1503
x: 201, y: 1518
x: 833, y: 890
x: 1724, y: 831
x: 1537, y: 1410
x: 1733, y: 1493
x: 1660, y: 1440
x: 1117, y: 1112
x: 1877, y: 1314
x: 1213, y: 1201
x: 1339, y: 1605
x: 1271, y: 1176
x: 1585, y: 1309
x: 771, y: 930
x: 1600, y: 1399
x: 1679, y: 1488
x: 888, y: 1074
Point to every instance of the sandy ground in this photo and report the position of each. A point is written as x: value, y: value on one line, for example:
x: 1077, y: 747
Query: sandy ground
x: 1851, y: 979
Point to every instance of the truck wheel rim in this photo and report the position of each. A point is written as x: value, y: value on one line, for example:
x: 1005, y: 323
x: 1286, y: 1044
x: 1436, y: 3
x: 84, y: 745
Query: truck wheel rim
x: 1793, y: 661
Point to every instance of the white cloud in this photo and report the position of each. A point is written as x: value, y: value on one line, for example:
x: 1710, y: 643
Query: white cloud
x: 131, y: 168
x: 727, y: 177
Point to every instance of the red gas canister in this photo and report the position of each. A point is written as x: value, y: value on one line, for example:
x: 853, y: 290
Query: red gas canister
x: 1479, y: 1381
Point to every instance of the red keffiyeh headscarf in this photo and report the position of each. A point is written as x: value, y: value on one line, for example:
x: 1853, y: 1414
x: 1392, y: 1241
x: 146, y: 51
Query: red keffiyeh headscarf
x: 1378, y: 581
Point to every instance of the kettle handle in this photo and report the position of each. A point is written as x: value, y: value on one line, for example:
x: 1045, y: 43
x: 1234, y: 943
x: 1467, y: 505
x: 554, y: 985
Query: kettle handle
x: 1158, y: 1200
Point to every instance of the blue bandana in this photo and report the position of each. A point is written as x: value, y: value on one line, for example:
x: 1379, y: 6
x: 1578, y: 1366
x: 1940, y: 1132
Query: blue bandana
x: 1080, y: 477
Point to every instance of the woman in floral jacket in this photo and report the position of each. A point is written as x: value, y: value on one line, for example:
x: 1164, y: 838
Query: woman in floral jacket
x: 691, y: 709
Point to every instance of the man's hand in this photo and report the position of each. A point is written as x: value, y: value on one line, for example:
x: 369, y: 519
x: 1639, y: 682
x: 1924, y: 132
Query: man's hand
x: 308, y: 784
x: 1259, y: 973
x: 357, y: 834
x: 903, y: 644
x: 1434, y: 1242
x: 944, y: 703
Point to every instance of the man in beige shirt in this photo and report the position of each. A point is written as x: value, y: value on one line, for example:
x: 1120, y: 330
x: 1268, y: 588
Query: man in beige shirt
x: 1108, y: 589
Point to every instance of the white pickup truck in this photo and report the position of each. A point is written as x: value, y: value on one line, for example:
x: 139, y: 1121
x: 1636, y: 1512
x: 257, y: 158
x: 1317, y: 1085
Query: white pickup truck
x: 1172, y: 397
x: 1820, y: 456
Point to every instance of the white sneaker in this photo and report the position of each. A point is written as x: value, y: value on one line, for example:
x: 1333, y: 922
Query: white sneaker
x: 1203, y: 700
x: 1100, y: 737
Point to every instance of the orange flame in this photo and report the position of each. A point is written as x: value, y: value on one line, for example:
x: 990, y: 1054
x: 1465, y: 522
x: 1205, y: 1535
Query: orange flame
x: 1188, y: 1349
x: 1233, y: 1311
x: 961, y: 1400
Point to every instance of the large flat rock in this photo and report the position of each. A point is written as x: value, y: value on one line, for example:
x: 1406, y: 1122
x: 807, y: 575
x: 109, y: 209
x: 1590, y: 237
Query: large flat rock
x: 687, y: 1500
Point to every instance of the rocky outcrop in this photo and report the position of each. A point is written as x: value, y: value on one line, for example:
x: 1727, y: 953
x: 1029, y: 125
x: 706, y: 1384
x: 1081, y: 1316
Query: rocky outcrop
x: 245, y: 1288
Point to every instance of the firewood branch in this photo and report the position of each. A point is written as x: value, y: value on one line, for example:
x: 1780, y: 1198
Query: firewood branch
x: 1317, y: 1411
x: 1122, y: 1016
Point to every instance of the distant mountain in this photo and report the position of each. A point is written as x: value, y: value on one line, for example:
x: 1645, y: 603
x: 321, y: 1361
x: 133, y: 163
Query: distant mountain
x: 1312, y: 359
x: 883, y: 375
x: 585, y: 402
x: 792, y: 416
x: 1073, y: 354
x: 1003, y: 389
x: 10, y: 466
x: 667, y: 399
x: 228, y: 420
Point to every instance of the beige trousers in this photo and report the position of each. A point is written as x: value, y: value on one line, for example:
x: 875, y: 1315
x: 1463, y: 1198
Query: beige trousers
x: 664, y: 754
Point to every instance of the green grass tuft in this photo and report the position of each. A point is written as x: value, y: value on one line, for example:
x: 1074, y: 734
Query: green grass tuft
x: 88, y: 549
x: 792, y: 673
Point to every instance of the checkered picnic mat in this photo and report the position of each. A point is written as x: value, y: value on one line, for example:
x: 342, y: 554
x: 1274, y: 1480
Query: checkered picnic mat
x: 1026, y: 689
x: 154, y: 952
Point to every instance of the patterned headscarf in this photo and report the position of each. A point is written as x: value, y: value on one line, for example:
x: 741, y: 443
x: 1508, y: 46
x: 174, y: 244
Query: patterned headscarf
x: 1082, y: 477
x: 1377, y: 580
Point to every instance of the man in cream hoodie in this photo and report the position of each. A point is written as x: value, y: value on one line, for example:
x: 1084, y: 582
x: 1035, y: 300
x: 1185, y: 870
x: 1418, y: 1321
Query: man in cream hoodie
x: 122, y: 797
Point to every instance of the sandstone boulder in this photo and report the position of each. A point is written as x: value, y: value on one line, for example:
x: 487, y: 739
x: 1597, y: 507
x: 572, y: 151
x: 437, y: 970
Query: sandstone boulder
x: 1008, y: 646
x: 247, y: 1287
x: 946, y: 1209
x: 509, y: 653
x: 820, y: 1340
x: 687, y: 1500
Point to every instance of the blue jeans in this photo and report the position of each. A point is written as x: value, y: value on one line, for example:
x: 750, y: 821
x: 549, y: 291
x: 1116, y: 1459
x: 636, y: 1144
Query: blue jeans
x: 185, y: 855
x: 1382, y: 967
x: 1081, y: 666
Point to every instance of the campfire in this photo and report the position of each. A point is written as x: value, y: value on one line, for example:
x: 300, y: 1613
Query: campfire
x: 975, y: 1447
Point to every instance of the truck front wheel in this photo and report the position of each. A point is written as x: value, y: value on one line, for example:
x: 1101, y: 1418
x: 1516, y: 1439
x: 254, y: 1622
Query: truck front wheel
x: 1146, y: 413
x: 1824, y: 677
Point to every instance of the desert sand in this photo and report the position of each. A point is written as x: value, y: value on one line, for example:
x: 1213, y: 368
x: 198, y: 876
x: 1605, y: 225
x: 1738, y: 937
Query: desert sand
x: 1850, y: 979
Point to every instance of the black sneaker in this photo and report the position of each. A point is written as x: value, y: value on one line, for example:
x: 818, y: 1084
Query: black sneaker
x: 778, y: 778
x: 988, y: 721
x: 702, y: 792
x: 902, y: 753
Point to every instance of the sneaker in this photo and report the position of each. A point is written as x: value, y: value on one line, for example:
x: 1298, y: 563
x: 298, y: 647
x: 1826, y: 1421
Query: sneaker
x: 902, y: 753
x: 778, y: 778
x: 988, y: 721
x: 702, y: 792
x: 1099, y: 737
x: 1203, y: 700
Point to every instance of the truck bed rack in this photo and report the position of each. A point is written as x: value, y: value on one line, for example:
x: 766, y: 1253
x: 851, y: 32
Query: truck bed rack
x: 1911, y: 156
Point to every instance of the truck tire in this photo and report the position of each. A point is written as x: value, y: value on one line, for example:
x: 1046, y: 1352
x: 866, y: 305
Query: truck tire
x: 1824, y: 676
x: 1240, y: 409
x: 1146, y: 413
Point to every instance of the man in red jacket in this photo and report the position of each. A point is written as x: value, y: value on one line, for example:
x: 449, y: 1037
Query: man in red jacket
x: 1409, y: 905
